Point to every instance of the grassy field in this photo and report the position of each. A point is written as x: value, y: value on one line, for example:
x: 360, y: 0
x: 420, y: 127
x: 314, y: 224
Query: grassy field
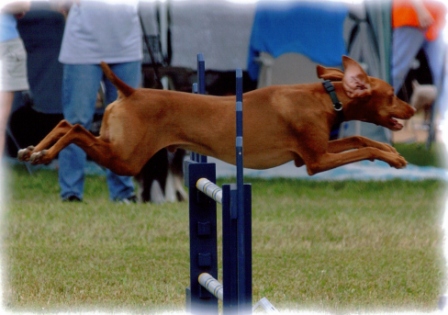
x: 418, y: 154
x: 334, y: 246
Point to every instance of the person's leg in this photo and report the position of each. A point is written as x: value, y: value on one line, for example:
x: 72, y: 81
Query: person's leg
x: 121, y: 187
x: 435, y: 54
x: 6, y: 99
x: 79, y: 89
x: 13, y: 77
x: 442, y: 105
x: 406, y: 42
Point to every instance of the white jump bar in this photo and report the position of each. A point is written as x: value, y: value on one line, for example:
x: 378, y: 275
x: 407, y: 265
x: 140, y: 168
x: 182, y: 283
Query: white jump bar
x: 210, y: 189
x: 212, y: 285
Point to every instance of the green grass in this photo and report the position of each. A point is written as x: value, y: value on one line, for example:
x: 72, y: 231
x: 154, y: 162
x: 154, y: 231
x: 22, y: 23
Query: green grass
x: 336, y: 246
x: 418, y: 154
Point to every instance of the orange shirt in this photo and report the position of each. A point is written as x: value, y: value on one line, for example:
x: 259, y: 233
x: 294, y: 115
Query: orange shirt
x: 403, y: 14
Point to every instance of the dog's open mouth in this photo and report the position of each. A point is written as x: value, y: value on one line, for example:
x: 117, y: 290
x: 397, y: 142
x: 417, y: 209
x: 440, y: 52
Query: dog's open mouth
x: 395, y: 124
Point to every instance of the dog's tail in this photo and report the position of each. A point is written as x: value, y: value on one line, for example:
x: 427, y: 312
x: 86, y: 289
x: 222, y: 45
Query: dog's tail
x: 123, y: 89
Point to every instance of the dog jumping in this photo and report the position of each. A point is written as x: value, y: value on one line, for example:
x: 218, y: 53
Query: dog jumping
x: 280, y: 124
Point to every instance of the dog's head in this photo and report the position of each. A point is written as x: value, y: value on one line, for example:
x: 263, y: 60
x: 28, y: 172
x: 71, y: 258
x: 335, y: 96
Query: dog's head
x: 371, y: 99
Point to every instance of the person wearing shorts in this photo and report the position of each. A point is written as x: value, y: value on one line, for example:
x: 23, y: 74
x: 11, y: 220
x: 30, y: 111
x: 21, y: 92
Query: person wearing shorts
x: 13, y: 73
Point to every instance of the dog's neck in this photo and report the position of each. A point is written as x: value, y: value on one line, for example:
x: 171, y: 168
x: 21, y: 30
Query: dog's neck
x: 329, y: 87
x: 352, y: 108
x: 337, y: 104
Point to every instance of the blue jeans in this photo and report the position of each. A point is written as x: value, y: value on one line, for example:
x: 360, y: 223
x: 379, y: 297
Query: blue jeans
x: 80, y: 86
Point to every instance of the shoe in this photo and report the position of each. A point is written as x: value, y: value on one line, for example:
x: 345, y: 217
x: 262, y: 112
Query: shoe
x: 72, y: 198
x: 128, y: 200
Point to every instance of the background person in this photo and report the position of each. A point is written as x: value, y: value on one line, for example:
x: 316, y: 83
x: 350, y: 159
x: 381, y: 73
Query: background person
x: 13, y: 73
x: 417, y: 24
x: 96, y: 31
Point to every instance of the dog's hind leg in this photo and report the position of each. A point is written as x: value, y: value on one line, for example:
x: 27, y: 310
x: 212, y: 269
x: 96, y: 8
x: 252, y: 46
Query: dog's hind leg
x: 95, y: 147
x: 60, y: 138
x: 60, y: 130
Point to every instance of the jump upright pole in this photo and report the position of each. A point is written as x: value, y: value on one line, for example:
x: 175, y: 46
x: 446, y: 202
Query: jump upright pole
x: 199, y: 88
x: 205, y: 289
x: 203, y: 226
x: 244, y: 207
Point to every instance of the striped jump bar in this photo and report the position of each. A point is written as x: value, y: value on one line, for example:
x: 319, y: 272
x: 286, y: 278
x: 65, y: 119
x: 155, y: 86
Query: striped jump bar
x: 212, y: 285
x: 210, y: 189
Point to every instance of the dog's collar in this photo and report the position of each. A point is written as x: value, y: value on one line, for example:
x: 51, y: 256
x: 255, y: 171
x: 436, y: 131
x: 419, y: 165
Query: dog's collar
x: 337, y: 105
x: 329, y: 87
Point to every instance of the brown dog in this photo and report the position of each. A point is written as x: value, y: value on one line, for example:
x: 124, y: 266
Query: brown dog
x: 281, y: 123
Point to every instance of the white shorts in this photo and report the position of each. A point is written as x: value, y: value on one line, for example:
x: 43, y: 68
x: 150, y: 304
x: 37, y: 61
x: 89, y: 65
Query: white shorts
x: 13, y: 73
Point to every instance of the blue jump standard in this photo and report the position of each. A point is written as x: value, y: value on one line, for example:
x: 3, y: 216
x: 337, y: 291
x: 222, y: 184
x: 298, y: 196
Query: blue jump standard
x: 236, y: 290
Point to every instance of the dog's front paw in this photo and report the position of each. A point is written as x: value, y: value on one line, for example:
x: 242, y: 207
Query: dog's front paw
x: 25, y: 154
x: 398, y: 162
x: 38, y: 157
x: 389, y: 148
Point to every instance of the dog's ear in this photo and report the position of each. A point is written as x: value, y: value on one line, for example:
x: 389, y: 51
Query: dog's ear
x: 356, y: 81
x: 331, y: 74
